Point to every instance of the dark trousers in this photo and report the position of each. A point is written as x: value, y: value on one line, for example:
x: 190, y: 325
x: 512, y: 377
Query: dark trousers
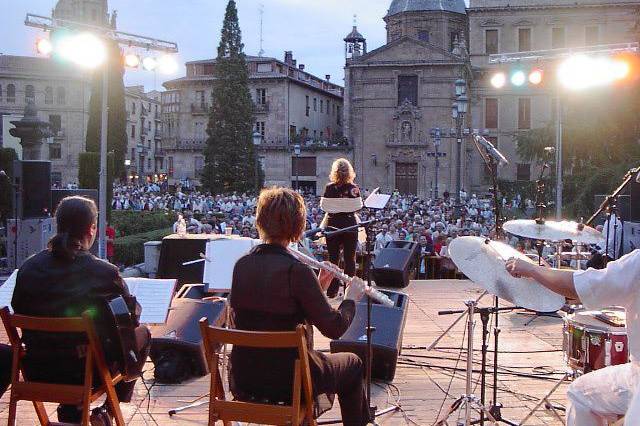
x: 343, y: 374
x: 348, y: 242
x: 5, y: 367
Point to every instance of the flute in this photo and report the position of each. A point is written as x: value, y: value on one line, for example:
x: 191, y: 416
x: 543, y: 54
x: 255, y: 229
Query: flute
x: 373, y: 293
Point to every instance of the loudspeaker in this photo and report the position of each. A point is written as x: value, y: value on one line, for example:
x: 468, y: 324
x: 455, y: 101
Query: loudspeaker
x: 176, y: 346
x: 630, y: 237
x: 26, y: 237
x: 388, y: 323
x: 634, y: 204
x: 396, y: 264
x: 33, y: 182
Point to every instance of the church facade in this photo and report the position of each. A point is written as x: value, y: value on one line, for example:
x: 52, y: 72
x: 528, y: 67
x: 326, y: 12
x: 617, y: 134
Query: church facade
x: 397, y: 95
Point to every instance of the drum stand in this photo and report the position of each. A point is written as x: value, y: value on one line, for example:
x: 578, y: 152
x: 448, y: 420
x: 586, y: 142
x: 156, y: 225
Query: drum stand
x: 468, y: 401
x: 568, y: 376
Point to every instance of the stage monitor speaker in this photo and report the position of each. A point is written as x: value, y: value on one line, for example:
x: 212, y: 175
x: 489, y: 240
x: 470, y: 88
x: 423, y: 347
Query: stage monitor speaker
x: 634, y: 202
x: 176, y: 346
x: 33, y: 182
x: 26, y: 237
x: 388, y: 323
x: 396, y: 264
x: 174, y: 251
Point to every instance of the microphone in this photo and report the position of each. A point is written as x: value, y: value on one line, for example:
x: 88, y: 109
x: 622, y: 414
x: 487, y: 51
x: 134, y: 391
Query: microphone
x: 491, y: 150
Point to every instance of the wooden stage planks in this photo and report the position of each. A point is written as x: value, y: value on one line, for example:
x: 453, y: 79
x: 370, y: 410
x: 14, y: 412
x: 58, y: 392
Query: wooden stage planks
x: 421, y: 376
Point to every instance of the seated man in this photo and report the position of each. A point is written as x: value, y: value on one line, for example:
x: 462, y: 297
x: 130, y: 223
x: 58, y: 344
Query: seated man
x: 64, y: 281
x: 272, y: 291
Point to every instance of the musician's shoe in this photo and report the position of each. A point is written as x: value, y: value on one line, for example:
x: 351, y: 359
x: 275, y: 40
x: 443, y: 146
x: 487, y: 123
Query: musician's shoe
x: 100, y: 417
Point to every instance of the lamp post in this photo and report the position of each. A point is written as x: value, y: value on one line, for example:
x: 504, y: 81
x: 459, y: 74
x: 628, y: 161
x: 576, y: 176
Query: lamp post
x: 458, y: 111
x: 85, y: 46
x: 140, y: 150
x: 436, y: 134
x: 257, y: 140
x: 296, y: 152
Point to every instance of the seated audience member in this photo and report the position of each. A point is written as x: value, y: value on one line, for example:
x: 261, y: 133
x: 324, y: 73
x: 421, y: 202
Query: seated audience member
x: 273, y: 291
x: 66, y: 280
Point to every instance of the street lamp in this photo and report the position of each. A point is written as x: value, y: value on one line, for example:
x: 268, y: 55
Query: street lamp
x: 140, y: 150
x: 257, y: 140
x: 458, y: 111
x: 436, y: 136
x: 296, y: 151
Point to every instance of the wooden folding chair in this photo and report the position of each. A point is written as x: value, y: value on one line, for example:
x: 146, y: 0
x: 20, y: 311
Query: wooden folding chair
x: 38, y: 393
x: 301, y: 408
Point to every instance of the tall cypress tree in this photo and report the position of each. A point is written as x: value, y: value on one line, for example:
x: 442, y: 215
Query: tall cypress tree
x: 230, y: 152
x: 117, y: 120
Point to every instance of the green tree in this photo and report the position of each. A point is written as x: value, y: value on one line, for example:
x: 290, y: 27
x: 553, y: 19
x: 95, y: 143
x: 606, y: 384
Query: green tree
x: 117, y: 120
x: 229, y: 155
x: 601, y: 141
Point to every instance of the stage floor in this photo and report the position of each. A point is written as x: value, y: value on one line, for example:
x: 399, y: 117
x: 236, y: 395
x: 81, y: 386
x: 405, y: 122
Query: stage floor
x: 421, y: 378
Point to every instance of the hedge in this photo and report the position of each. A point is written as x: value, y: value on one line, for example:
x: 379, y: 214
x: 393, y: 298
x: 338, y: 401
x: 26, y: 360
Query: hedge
x: 127, y: 222
x: 130, y: 250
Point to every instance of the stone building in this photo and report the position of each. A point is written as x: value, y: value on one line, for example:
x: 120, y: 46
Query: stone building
x: 511, y: 26
x: 292, y: 107
x: 398, y: 92
x: 144, y: 131
x: 61, y: 95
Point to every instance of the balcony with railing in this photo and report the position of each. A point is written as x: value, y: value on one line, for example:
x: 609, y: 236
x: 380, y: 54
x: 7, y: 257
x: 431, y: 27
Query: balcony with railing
x: 186, y: 145
x: 261, y: 108
x: 199, y: 108
x: 335, y: 144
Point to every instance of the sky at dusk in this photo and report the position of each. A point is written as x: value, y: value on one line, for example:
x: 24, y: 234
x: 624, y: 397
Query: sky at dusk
x: 312, y: 29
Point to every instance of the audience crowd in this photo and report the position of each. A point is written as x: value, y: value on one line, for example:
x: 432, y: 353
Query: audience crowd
x: 432, y: 223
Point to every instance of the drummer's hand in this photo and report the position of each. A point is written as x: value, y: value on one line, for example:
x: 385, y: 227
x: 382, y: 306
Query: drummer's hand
x: 520, y: 268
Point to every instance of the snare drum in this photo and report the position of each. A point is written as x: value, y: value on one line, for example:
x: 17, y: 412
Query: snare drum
x: 591, y: 344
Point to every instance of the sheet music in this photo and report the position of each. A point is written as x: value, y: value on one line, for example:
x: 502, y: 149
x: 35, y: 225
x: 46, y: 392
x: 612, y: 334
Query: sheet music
x: 376, y: 200
x: 154, y: 296
x: 6, y: 291
x: 218, y: 273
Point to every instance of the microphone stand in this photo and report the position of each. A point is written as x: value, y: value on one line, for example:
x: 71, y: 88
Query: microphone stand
x: 495, y: 408
x: 369, y: 228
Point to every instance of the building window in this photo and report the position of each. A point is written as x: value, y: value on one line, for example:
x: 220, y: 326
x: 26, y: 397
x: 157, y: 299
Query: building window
x: 133, y: 131
x: 491, y: 42
x: 321, y: 106
x: 56, y: 178
x: 133, y: 107
x: 200, y: 99
x: 261, y: 96
x: 11, y: 93
x: 423, y: 35
x: 315, y: 104
x: 524, y: 172
x: 338, y: 115
x: 408, y: 89
x: 0, y: 92
x: 55, y: 151
x: 29, y: 94
x: 293, y: 132
x: 328, y: 104
x: 264, y: 67
x: 149, y: 164
x: 303, y: 166
x: 557, y: 38
x: 306, y: 111
x: 591, y: 36
x: 170, y: 166
x: 48, y: 95
x: 56, y: 123
x: 260, y: 127
x: 524, y: 113
x: 524, y: 39
x: 491, y: 113
x: 61, y: 98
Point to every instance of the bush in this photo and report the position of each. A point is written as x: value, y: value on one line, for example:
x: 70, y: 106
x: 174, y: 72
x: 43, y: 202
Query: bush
x: 130, y: 250
x: 7, y: 156
x: 127, y: 222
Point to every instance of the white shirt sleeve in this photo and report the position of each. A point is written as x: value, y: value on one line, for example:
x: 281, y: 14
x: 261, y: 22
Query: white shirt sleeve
x: 617, y: 285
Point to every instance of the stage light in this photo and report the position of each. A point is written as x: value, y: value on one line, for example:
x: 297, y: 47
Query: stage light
x: 44, y: 46
x: 167, y: 64
x: 498, y: 80
x: 580, y: 71
x: 518, y: 78
x: 149, y: 63
x: 535, y: 76
x: 85, y: 50
x: 132, y: 60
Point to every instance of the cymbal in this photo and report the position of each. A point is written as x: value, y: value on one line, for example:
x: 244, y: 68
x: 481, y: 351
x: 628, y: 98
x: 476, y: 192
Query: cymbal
x: 484, y: 263
x: 554, y: 231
